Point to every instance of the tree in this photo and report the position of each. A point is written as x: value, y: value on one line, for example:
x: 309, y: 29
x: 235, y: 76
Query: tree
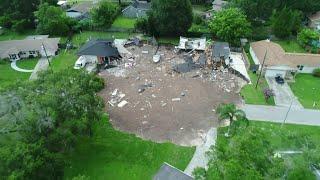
x: 285, y: 22
x: 306, y: 36
x: 235, y: 116
x: 104, y: 14
x: 29, y: 161
x: 52, y: 20
x: 230, y: 25
x: 246, y: 155
x: 170, y: 17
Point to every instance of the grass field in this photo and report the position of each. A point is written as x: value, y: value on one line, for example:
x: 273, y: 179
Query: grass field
x: 64, y: 60
x: 10, y: 35
x: 111, y: 154
x: 291, y: 46
x: 307, y: 89
x: 252, y: 95
x: 10, y: 76
x: 124, y: 23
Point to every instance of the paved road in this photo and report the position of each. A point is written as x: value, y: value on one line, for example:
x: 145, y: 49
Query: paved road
x: 42, y: 65
x: 15, y: 67
x: 283, y: 94
x: 200, y: 158
x: 277, y: 114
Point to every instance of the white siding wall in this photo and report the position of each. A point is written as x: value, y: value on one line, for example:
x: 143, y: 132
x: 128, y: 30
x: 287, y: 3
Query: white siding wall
x: 307, y: 69
x: 255, y: 58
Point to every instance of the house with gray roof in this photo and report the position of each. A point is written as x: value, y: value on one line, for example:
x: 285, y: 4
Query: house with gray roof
x: 104, y: 50
x: 218, y: 5
x: 137, y: 9
x: 29, y: 47
x: 168, y: 172
x: 80, y: 10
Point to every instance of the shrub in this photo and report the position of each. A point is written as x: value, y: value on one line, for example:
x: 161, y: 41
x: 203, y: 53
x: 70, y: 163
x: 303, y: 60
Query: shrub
x: 142, y: 25
x: 316, y: 72
x: 197, y: 19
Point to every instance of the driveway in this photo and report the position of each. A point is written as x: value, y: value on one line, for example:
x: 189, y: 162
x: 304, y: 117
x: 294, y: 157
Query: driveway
x: 283, y: 94
x: 42, y: 65
x: 277, y: 114
x: 15, y: 67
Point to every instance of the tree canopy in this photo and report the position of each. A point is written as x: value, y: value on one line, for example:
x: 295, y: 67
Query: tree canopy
x: 170, y: 17
x: 230, y: 25
x: 45, y: 117
x: 104, y: 14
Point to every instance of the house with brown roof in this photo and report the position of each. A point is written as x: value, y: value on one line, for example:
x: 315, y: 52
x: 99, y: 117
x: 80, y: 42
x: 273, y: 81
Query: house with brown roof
x: 273, y: 60
x: 30, y: 47
x: 314, y: 21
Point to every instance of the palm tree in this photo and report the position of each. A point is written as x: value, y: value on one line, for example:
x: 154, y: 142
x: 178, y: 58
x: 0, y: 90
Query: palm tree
x: 235, y: 116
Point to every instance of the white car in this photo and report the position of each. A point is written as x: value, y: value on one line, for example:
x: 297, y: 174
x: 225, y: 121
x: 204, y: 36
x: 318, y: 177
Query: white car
x: 80, y: 63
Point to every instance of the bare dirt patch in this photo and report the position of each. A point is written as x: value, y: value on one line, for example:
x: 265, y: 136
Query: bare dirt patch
x: 172, y: 107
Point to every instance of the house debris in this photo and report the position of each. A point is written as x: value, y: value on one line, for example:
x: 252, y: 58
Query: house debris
x: 192, y: 43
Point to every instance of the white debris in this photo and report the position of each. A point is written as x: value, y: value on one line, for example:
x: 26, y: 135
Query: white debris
x: 176, y: 99
x: 122, y: 103
x: 115, y: 92
x: 145, y: 52
x: 164, y: 104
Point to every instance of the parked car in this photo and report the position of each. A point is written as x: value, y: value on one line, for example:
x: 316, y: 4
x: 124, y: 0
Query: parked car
x: 279, y: 79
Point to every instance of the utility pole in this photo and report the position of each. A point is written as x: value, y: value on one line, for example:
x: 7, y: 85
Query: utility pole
x: 264, y: 59
x: 285, y: 118
x: 45, y: 52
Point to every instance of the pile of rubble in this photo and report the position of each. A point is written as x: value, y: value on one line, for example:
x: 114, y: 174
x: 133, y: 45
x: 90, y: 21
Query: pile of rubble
x: 117, y: 99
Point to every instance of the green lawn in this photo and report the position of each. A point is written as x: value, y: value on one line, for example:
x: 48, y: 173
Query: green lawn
x: 111, y: 154
x: 252, y: 95
x: 9, y: 76
x: 64, y: 60
x: 11, y: 35
x: 307, y: 89
x: 124, y: 23
x: 291, y: 46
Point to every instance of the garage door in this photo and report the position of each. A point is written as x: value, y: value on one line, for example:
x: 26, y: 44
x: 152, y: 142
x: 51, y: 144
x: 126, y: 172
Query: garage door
x: 274, y: 73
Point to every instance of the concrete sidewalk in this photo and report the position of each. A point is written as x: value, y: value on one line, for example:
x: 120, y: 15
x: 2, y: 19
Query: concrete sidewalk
x: 277, y: 114
x: 200, y: 159
x: 42, y: 65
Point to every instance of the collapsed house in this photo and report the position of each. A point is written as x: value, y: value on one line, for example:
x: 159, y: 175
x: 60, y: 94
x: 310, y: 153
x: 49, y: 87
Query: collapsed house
x: 192, y: 44
x: 100, y: 52
x: 222, y: 56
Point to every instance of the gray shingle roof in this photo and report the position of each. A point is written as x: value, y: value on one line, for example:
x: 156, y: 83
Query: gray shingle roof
x: 220, y: 49
x: 168, y: 172
x: 101, y: 48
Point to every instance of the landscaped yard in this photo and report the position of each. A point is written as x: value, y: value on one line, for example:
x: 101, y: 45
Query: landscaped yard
x: 64, y: 60
x: 307, y: 89
x: 291, y: 46
x: 252, y: 95
x: 124, y: 23
x: 9, y: 76
x: 111, y: 154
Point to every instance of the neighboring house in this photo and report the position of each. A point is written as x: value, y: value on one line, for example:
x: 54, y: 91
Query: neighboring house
x: 278, y: 62
x: 29, y: 47
x: 220, y: 52
x: 314, y: 21
x: 218, y: 5
x: 137, y: 9
x: 80, y: 10
x: 103, y: 50
x: 168, y: 172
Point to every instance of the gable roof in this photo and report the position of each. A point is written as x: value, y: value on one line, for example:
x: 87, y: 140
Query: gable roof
x: 276, y: 56
x: 82, y: 7
x: 220, y: 49
x: 315, y: 16
x: 15, y: 46
x: 101, y: 48
x: 168, y: 172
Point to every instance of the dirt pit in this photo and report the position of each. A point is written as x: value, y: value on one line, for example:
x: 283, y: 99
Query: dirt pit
x: 163, y: 105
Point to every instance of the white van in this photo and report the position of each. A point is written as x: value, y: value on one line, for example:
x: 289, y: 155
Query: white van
x: 80, y: 63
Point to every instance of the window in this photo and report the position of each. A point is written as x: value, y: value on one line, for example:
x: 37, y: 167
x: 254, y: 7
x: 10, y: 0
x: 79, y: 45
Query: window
x: 32, y: 52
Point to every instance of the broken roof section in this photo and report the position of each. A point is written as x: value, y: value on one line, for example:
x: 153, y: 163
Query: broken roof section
x: 220, y: 50
x: 168, y: 172
x: 100, y: 48
x: 192, y: 43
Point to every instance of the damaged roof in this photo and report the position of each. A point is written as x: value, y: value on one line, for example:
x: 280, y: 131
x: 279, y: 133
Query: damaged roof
x: 168, y: 172
x: 101, y: 48
x: 220, y: 50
